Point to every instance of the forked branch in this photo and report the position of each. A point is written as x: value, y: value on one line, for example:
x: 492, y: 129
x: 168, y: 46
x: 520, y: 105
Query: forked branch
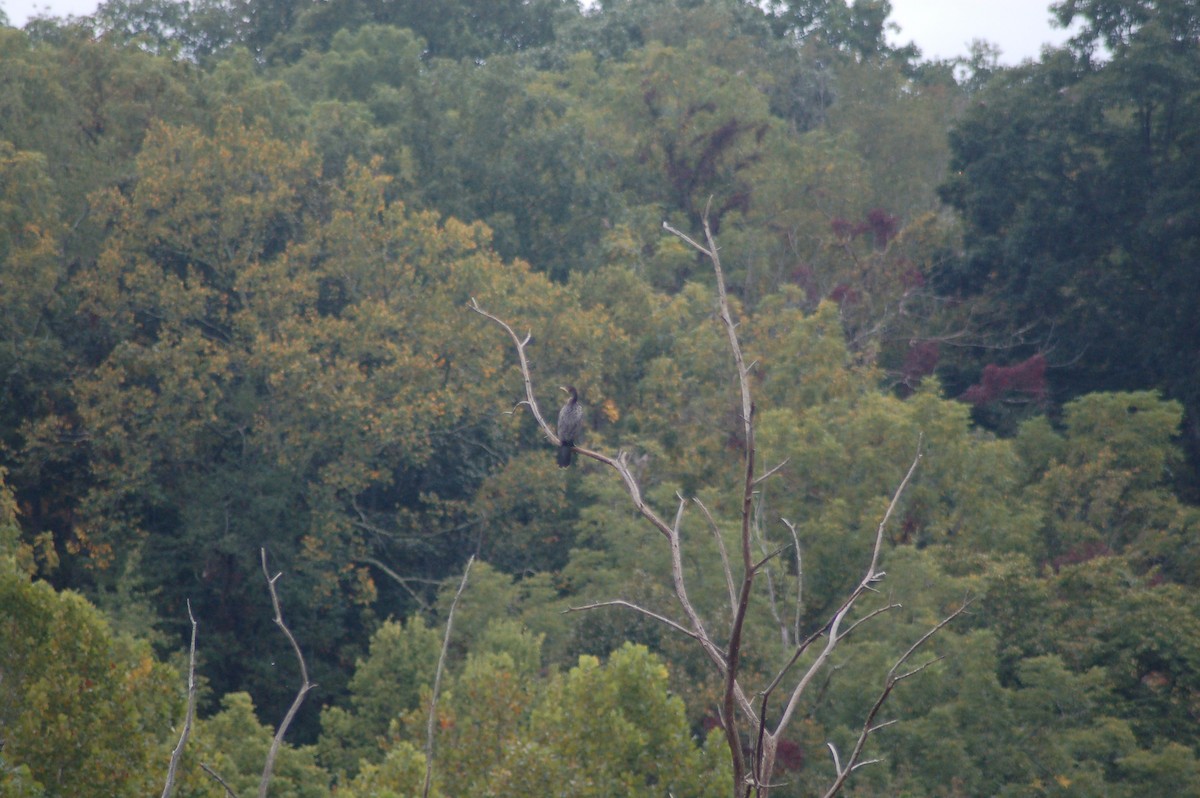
x: 520, y: 343
x: 832, y: 631
x: 305, y: 684
x: 894, y: 676
x: 277, y: 741
x: 749, y: 571
x: 726, y: 659
x: 620, y: 464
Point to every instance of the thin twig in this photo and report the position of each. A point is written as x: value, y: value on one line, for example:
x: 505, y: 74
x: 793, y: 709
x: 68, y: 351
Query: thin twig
x: 780, y: 550
x: 770, y: 473
x: 784, y: 635
x: 799, y: 579
x: 832, y: 628
x: 217, y: 777
x: 437, y: 681
x: 177, y: 754
x: 305, y: 684
x: 400, y: 580
x: 530, y: 399
x: 724, y: 556
x: 893, y: 678
x: 636, y: 608
x: 867, y: 617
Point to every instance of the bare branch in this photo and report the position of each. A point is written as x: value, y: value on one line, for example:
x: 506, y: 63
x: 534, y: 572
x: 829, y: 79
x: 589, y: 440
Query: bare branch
x: 305, y: 684
x: 799, y: 578
x: 530, y: 400
x: 867, y: 617
x: 177, y: 754
x: 889, y: 683
x: 837, y: 762
x: 784, y: 634
x: 437, y: 680
x: 730, y: 328
x: 883, y: 725
x: 724, y: 555
x: 748, y: 571
x: 400, y: 580
x: 925, y: 637
x: 637, y: 608
x: 217, y: 778
x: 680, y: 234
x: 780, y: 550
x: 872, y: 575
x: 675, y: 526
x: 918, y: 669
x: 772, y: 472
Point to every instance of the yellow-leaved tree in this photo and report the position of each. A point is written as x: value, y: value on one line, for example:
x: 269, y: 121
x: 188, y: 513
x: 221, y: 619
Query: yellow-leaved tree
x: 279, y: 359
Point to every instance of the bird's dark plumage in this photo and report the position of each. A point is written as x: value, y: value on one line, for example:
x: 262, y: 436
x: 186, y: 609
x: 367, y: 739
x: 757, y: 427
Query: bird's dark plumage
x: 570, y: 424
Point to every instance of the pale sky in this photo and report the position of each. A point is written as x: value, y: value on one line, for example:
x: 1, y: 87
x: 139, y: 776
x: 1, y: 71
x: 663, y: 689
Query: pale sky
x: 945, y: 28
x: 941, y: 28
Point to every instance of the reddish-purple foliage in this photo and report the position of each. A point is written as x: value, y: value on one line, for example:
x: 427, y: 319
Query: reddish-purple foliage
x: 920, y: 360
x: 803, y: 276
x: 1082, y: 553
x: 883, y: 226
x: 844, y: 228
x: 789, y: 756
x: 1027, y: 377
x: 844, y: 294
x: 912, y: 278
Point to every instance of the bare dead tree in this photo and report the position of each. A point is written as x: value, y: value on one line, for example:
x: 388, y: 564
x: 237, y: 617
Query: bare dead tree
x: 277, y: 741
x: 305, y: 684
x: 737, y: 709
x: 177, y: 754
x: 437, y: 680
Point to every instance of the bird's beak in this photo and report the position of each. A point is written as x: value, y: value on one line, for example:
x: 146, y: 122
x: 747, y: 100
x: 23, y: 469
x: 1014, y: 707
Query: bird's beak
x: 563, y: 389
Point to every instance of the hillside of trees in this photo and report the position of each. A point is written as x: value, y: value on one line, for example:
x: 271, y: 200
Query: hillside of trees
x: 239, y: 241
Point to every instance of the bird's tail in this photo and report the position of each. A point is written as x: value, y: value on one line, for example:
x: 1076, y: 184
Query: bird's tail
x: 565, y: 454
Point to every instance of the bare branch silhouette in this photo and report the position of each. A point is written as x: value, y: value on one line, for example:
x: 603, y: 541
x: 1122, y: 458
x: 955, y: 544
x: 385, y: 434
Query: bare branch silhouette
x: 736, y: 708
x: 305, y: 684
x: 177, y: 754
x: 437, y: 680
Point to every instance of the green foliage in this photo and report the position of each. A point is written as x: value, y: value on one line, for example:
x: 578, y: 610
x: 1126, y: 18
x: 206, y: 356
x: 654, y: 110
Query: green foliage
x: 615, y: 730
x: 234, y: 745
x: 82, y: 711
x: 273, y: 370
x: 856, y: 27
x: 31, y: 280
x: 461, y: 29
x: 399, y: 664
x: 236, y: 244
x: 525, y: 516
x: 1104, y: 481
x: 598, y: 730
x: 1071, y: 176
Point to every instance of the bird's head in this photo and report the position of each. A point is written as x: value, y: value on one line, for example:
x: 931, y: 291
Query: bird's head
x: 569, y: 390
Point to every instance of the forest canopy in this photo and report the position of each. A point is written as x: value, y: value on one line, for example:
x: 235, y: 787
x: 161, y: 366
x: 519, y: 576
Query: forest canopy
x: 238, y: 239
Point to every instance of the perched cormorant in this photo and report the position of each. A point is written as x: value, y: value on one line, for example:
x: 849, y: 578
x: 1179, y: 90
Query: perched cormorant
x: 570, y: 424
